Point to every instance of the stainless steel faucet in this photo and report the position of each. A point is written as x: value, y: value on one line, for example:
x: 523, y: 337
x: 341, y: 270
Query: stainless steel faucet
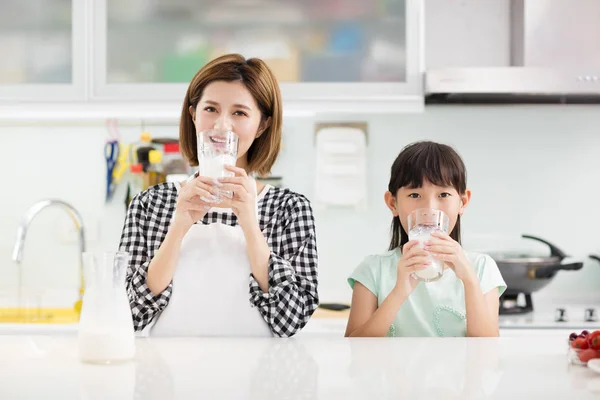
x: 35, y: 210
x: 22, y: 232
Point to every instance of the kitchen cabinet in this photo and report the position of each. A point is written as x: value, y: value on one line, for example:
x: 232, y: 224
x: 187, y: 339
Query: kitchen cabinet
x: 467, y: 33
x: 114, y: 58
x: 328, y: 55
x: 42, y: 43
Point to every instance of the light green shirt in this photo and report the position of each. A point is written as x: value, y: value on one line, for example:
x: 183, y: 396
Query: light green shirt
x: 432, y: 309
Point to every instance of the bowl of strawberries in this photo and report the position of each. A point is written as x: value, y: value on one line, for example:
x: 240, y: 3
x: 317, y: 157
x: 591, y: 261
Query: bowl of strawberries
x: 584, y: 347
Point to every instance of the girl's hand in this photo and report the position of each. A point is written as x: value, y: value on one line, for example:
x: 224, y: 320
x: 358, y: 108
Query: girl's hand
x: 243, y: 201
x: 443, y: 247
x: 191, y: 205
x: 414, y: 259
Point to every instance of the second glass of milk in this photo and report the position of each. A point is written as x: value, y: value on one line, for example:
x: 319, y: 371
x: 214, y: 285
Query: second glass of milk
x: 421, y: 224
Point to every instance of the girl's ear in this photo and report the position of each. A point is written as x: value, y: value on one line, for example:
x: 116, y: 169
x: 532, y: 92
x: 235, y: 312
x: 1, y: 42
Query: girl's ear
x: 390, y: 202
x: 464, y: 200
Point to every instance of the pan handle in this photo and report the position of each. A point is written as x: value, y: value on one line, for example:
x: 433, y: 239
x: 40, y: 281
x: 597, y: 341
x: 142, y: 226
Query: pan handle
x: 554, y: 251
x: 549, y: 270
x: 595, y: 257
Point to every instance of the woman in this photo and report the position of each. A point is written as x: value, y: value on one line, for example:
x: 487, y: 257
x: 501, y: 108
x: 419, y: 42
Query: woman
x: 246, y: 266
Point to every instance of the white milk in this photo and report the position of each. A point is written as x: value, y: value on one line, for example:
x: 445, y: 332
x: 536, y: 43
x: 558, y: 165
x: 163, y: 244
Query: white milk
x: 106, y: 346
x: 436, y: 267
x: 214, y: 167
x: 106, y: 331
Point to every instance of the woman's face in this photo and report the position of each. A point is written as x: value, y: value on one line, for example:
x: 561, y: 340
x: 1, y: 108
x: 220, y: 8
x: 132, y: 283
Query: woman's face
x: 230, y: 106
x: 428, y: 195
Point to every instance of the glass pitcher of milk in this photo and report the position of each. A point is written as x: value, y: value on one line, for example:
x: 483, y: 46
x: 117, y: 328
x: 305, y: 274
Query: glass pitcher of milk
x: 421, y: 224
x: 106, y: 333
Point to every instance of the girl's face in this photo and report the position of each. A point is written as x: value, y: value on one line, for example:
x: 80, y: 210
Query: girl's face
x: 230, y: 106
x: 428, y: 195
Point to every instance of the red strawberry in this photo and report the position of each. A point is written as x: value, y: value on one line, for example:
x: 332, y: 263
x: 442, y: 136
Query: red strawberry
x: 580, y: 343
x: 593, y: 340
x: 587, y: 355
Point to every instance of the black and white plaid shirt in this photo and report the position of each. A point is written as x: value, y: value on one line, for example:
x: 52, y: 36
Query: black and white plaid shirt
x: 285, y: 219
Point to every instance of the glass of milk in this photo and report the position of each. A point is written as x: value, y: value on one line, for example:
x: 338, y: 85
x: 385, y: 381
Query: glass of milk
x: 105, y: 332
x: 421, y: 223
x: 216, y: 149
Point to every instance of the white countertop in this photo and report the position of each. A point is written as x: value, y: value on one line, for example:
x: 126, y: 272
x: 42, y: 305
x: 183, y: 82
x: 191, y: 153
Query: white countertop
x: 33, y: 367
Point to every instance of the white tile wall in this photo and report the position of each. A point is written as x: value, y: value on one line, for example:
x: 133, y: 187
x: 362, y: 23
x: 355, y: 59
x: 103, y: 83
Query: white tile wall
x: 532, y: 169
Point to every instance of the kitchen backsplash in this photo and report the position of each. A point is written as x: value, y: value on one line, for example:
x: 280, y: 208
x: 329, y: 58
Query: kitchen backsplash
x: 532, y: 169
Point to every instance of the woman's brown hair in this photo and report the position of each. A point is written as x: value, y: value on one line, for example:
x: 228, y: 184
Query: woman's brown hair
x: 437, y: 163
x: 262, y: 85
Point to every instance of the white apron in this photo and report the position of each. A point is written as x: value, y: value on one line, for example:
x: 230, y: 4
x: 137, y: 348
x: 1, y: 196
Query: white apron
x: 211, y: 286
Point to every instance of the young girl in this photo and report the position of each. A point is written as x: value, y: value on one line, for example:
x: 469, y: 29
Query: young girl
x: 386, y: 299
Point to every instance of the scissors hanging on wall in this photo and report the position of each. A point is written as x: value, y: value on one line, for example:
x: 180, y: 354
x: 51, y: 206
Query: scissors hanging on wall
x: 111, y: 154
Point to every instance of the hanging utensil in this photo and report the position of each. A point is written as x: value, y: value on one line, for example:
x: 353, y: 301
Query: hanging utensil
x: 111, y: 154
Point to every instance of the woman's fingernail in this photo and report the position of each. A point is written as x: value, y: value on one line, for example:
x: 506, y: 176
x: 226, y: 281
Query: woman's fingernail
x: 207, y: 208
x: 217, y: 182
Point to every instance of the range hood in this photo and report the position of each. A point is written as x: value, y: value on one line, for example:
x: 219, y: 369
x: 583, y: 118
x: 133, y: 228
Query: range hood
x: 554, y: 58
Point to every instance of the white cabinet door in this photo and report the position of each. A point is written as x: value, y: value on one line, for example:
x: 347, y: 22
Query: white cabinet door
x: 42, y: 47
x: 328, y: 55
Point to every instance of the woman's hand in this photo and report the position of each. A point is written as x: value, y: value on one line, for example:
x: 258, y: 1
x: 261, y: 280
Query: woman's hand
x: 443, y: 247
x: 243, y: 200
x: 191, y: 204
x: 413, y: 259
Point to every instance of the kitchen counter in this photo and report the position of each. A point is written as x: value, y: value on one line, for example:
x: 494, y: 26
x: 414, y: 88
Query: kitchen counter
x: 299, y: 368
x: 333, y: 323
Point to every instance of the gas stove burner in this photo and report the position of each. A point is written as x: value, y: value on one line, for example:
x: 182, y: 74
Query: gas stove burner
x: 510, y: 304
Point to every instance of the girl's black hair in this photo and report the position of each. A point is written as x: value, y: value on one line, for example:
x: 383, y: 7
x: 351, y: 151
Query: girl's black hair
x: 437, y: 163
